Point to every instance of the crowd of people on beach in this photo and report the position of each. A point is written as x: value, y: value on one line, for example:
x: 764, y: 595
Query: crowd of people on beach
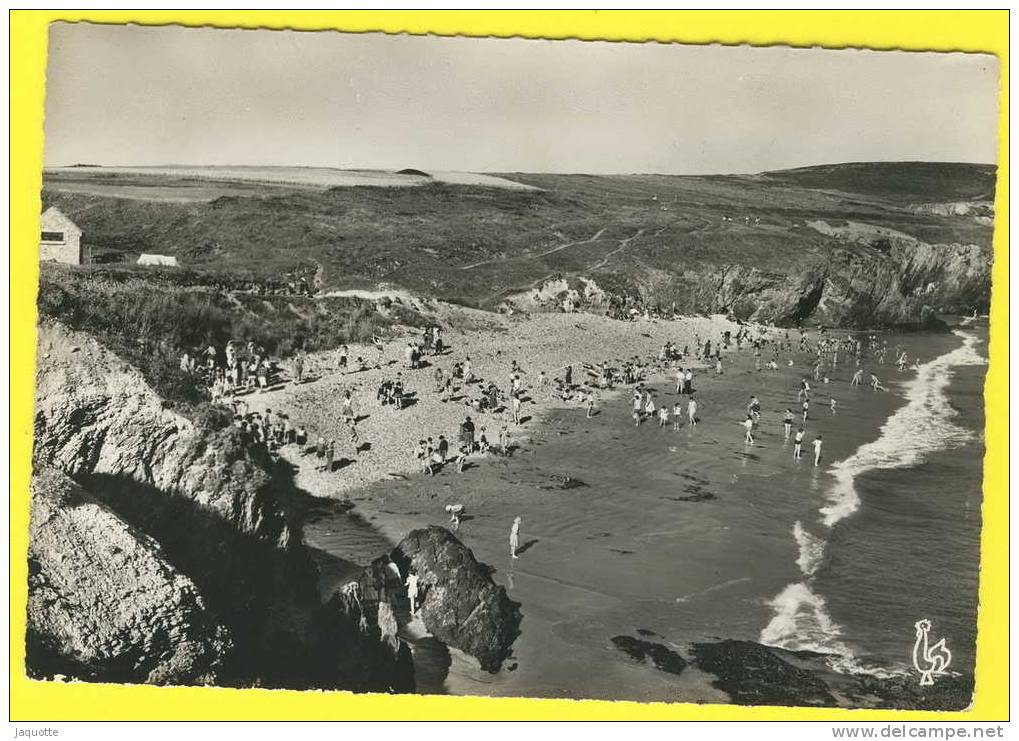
x: 492, y: 407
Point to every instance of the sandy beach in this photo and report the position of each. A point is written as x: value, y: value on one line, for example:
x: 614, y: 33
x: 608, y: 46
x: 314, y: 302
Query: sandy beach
x: 539, y: 342
x: 678, y: 536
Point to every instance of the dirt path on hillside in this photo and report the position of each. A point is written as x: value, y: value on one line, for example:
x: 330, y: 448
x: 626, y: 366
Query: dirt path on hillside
x: 595, y: 238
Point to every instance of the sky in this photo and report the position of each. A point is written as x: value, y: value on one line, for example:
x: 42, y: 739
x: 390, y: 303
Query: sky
x: 133, y: 95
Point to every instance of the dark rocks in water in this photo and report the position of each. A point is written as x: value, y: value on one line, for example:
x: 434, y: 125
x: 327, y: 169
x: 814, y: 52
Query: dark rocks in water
x: 661, y: 658
x: 905, y: 693
x: 696, y: 495
x: 461, y: 605
x: 753, y: 674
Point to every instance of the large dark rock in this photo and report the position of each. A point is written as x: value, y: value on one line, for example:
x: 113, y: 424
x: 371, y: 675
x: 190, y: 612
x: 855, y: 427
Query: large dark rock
x: 753, y: 674
x: 461, y: 605
x: 661, y: 658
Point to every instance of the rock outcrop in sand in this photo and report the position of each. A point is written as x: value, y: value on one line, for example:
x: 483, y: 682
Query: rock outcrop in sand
x: 461, y: 605
x: 753, y: 674
x: 104, y: 601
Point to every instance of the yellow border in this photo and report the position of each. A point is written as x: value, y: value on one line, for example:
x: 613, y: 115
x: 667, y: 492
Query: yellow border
x: 983, y: 31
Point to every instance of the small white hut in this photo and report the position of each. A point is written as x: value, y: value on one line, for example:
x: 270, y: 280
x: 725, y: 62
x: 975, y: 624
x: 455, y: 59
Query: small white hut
x: 164, y: 260
x: 60, y: 239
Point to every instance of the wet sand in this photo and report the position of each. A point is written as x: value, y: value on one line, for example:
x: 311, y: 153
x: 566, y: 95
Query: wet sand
x: 678, y: 536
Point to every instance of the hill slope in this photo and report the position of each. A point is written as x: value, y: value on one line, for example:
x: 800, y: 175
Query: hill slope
x: 865, y: 244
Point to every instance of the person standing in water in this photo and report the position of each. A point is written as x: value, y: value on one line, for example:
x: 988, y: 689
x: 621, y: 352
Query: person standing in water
x: 798, y: 444
x: 857, y: 377
x: 691, y: 412
x: 515, y: 537
x: 817, y: 450
x: 806, y: 409
x: 804, y: 392
x: 831, y: 404
x: 787, y: 422
x: 748, y: 425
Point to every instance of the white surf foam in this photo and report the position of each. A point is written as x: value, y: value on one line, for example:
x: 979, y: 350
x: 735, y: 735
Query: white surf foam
x: 921, y: 427
x: 811, y: 549
x: 802, y: 623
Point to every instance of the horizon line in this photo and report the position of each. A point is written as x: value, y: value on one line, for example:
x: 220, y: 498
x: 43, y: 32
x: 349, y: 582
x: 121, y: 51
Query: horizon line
x: 83, y: 165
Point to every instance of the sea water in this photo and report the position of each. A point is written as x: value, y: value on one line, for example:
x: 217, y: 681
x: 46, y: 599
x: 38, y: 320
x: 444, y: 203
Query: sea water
x: 896, y: 539
x: 691, y: 535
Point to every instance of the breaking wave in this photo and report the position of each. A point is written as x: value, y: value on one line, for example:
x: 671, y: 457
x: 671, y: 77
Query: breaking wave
x: 922, y: 426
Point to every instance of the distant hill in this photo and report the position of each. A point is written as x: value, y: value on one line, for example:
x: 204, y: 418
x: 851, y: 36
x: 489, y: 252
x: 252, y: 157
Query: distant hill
x: 901, y: 181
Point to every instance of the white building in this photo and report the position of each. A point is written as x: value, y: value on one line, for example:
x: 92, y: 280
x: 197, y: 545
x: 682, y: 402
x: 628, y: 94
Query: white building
x: 60, y: 240
x: 163, y: 260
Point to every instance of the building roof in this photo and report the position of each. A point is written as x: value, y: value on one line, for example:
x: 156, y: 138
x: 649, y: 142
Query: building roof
x: 54, y: 217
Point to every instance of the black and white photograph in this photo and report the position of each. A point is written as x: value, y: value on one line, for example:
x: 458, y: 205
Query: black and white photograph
x: 511, y: 367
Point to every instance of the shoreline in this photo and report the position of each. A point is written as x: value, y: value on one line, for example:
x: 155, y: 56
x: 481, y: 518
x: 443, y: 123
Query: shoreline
x: 494, y: 488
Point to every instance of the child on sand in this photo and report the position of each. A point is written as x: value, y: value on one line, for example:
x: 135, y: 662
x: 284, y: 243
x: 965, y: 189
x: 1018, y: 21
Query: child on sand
x: 455, y: 511
x: 798, y: 444
x: 817, y: 450
x: 590, y: 405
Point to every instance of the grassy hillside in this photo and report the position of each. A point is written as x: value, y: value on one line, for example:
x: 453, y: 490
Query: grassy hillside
x: 897, y: 181
x: 660, y: 237
x: 150, y: 318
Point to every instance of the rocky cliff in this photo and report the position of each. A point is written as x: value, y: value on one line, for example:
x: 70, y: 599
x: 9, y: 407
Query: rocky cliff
x: 218, y: 513
x: 104, y: 601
